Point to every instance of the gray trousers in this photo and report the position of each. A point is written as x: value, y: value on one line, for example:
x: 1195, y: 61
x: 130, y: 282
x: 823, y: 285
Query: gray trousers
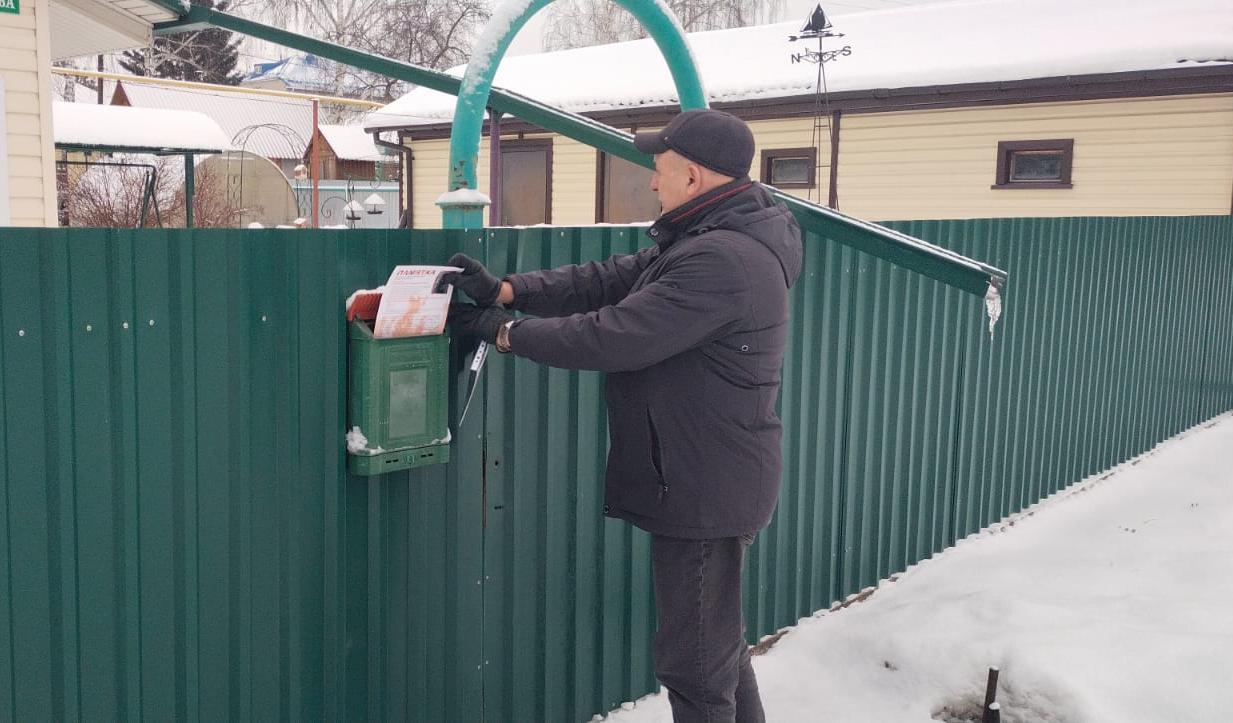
x: 700, y: 650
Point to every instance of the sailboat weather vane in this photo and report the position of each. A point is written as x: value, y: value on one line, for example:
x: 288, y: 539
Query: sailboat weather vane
x: 819, y: 27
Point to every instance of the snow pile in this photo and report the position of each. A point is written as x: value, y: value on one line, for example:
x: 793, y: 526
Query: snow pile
x: 464, y: 197
x: 351, y: 143
x: 1109, y: 601
x: 115, y: 126
x: 357, y: 443
x: 968, y: 41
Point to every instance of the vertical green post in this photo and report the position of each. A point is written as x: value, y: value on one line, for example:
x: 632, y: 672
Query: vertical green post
x: 189, y: 189
x: 466, y: 210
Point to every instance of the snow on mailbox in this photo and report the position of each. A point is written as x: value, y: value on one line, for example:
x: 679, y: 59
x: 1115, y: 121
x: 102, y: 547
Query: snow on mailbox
x: 397, y: 370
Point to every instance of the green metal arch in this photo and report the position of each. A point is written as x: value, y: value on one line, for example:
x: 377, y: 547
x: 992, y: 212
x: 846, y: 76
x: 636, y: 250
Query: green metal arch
x: 506, y: 22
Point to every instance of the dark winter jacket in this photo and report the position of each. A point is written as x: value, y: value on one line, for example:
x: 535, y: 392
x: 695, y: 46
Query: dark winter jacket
x: 691, y: 332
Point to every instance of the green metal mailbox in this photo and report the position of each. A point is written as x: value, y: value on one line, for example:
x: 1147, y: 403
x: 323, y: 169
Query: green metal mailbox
x: 397, y: 404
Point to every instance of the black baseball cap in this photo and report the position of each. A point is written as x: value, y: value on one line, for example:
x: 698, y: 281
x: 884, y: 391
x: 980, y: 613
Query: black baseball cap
x: 712, y: 138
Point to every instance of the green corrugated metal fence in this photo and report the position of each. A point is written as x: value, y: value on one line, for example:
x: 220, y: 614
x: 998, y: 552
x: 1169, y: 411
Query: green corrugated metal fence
x: 179, y: 539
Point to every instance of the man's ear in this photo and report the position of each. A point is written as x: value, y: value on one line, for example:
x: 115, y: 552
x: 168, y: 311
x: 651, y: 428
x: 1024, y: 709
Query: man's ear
x: 695, y: 175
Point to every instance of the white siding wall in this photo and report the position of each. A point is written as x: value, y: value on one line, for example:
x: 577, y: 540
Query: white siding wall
x: 796, y: 133
x: 1132, y: 157
x: 573, y: 182
x: 25, y: 62
x: 1139, y: 156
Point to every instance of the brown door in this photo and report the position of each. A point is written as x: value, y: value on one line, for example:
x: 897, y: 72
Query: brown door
x: 625, y: 194
x: 526, y: 182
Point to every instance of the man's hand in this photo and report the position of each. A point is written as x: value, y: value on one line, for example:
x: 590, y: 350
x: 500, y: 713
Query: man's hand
x: 474, y: 279
x: 480, y: 322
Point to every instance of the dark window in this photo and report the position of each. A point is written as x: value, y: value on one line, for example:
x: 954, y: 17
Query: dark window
x: 1034, y: 164
x: 623, y: 192
x: 790, y: 167
x: 526, y: 182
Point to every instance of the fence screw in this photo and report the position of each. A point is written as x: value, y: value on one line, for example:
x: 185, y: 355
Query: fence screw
x: 21, y: 332
x: 89, y: 327
x: 151, y: 322
x: 125, y: 325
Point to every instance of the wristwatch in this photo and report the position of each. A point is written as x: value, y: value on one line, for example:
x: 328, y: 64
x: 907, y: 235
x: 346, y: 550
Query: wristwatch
x: 503, y: 336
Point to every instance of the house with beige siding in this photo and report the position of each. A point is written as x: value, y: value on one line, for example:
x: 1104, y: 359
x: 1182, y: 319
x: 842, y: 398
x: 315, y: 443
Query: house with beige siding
x: 984, y: 108
x: 33, y: 34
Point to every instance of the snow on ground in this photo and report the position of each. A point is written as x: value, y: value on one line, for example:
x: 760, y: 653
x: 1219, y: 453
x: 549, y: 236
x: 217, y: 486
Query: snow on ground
x: 1110, y: 601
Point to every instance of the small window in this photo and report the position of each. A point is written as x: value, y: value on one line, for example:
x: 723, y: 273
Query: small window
x: 790, y: 167
x: 1034, y: 164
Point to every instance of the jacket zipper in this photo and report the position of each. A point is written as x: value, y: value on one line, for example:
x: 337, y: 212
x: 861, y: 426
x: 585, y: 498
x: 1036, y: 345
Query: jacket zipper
x: 656, y: 459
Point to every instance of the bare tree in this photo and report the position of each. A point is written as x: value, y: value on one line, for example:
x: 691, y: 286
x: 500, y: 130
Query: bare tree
x: 432, y: 33
x: 578, y: 23
x: 213, y: 206
x: 115, y: 196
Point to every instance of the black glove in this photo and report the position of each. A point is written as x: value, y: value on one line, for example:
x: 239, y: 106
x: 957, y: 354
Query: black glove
x: 480, y: 322
x: 474, y: 279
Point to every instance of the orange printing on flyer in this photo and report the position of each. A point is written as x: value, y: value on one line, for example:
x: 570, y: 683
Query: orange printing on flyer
x: 408, y: 304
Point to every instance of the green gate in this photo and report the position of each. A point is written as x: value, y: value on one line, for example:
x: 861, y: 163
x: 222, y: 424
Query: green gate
x: 179, y: 538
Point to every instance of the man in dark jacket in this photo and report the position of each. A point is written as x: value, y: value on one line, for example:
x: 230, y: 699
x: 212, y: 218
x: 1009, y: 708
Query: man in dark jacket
x: 691, y: 332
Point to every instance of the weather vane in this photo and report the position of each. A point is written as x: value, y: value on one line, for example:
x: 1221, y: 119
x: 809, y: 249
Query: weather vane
x: 819, y: 27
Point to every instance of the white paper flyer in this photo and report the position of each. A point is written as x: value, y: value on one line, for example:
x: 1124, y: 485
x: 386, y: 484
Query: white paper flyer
x: 409, y: 304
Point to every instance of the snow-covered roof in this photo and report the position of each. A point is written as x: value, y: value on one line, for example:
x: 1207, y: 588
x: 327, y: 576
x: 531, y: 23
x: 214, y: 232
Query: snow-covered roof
x: 288, y: 122
x: 967, y: 41
x: 351, y: 143
x: 299, y: 72
x: 118, y: 127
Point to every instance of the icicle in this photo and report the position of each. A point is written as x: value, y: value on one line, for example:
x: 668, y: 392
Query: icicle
x: 993, y: 306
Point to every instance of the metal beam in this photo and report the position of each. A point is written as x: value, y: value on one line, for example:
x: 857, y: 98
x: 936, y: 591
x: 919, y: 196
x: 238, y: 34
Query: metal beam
x: 190, y: 189
x: 215, y: 87
x: 579, y: 128
x: 151, y: 150
x: 175, y: 7
x: 898, y: 248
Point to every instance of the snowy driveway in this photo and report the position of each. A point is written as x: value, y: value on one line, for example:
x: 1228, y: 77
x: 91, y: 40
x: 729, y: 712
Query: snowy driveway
x: 1110, y: 601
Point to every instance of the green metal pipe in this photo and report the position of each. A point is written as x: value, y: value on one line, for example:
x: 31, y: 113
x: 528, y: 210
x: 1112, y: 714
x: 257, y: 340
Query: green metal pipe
x: 190, y: 188
x: 146, y: 197
x: 926, y: 259
x: 506, y: 22
x: 894, y: 246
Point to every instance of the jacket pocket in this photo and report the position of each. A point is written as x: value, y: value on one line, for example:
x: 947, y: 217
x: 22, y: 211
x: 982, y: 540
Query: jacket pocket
x: 656, y: 455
